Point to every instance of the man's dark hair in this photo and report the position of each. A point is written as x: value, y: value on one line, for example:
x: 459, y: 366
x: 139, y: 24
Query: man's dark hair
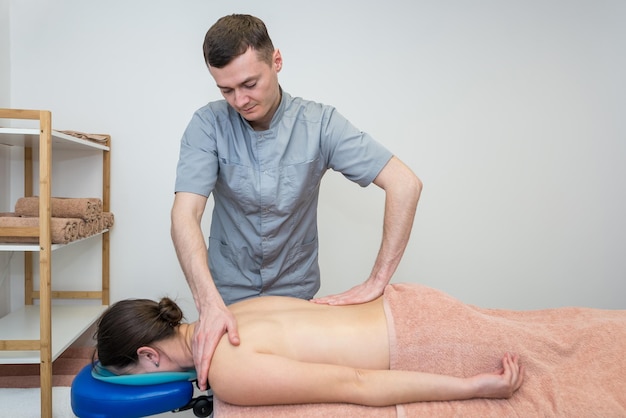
x: 232, y: 35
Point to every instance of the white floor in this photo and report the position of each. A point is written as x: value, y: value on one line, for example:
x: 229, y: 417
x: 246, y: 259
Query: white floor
x: 25, y: 403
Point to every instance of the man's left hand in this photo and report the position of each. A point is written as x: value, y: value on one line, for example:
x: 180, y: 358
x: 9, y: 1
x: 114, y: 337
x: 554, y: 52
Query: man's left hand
x: 362, y: 293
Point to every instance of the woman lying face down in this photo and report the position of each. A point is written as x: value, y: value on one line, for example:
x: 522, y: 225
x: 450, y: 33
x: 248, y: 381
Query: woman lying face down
x: 292, y: 351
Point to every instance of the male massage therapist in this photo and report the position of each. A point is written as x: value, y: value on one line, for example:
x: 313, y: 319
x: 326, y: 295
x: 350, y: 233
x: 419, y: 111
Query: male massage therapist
x: 262, y: 153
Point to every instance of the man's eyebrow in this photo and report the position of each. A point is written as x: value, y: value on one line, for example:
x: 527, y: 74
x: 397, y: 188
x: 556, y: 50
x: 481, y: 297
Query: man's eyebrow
x: 247, y: 80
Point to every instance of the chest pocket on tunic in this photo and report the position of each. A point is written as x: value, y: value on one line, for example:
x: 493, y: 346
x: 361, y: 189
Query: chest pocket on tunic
x: 297, y: 184
x: 282, y: 190
x: 236, y: 183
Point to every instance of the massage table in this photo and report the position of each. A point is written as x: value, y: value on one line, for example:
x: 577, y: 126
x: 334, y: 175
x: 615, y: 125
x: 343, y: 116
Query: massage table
x: 575, y: 360
x: 97, y: 393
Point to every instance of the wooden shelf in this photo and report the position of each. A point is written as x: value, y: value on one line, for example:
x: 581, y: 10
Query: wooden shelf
x: 39, y: 333
x: 35, y: 247
x: 68, y: 323
x: 29, y: 137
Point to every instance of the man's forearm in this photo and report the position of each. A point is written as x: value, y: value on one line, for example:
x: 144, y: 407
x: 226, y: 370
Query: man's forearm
x: 401, y: 199
x: 192, y: 256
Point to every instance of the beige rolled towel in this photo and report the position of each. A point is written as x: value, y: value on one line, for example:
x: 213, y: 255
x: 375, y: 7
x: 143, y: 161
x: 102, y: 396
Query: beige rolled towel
x: 96, y: 225
x: 86, y: 208
x: 89, y: 228
x: 107, y: 220
x: 62, y: 230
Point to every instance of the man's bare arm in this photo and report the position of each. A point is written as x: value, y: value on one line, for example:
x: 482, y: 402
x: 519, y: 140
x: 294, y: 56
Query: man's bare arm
x: 402, y: 192
x: 214, y: 318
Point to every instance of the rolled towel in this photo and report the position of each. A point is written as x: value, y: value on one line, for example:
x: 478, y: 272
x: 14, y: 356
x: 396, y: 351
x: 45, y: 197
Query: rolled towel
x: 107, y: 220
x: 62, y: 230
x: 87, y: 228
x: 86, y: 208
x: 96, y: 225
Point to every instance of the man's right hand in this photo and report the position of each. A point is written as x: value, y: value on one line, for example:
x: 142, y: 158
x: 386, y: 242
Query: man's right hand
x: 212, y: 324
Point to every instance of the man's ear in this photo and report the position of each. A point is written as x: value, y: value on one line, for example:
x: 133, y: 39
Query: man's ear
x: 277, y: 60
x: 148, y: 357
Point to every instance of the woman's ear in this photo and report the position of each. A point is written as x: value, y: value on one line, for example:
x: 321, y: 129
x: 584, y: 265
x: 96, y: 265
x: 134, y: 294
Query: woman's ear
x: 148, y: 357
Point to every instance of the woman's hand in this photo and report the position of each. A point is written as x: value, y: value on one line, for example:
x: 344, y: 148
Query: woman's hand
x: 501, y: 384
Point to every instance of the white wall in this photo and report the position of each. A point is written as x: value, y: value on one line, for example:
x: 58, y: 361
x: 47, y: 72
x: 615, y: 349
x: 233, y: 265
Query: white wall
x: 512, y: 114
x: 5, y: 101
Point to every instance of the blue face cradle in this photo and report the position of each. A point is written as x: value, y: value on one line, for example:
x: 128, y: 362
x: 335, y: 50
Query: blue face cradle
x: 100, y: 373
x: 95, y: 394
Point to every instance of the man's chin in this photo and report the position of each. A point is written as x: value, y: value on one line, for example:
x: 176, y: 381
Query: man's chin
x: 249, y: 116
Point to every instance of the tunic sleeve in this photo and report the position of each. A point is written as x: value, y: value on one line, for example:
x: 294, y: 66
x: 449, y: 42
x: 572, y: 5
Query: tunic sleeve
x: 198, y: 163
x: 354, y: 153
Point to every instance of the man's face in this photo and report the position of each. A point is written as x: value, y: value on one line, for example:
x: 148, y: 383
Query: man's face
x: 250, y: 86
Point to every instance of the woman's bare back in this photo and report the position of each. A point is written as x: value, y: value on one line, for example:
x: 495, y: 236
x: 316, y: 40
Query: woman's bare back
x: 354, y: 335
x: 295, y: 351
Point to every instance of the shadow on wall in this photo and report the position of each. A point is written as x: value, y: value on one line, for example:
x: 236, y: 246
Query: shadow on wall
x: 5, y: 258
x: 5, y: 293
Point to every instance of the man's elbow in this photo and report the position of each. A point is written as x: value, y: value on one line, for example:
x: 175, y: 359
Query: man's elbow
x: 411, y: 186
x: 416, y: 185
x: 187, y: 206
x: 176, y: 216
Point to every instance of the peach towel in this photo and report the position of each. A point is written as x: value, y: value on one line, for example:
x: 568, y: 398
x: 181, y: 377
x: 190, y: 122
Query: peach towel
x: 320, y: 410
x: 575, y: 359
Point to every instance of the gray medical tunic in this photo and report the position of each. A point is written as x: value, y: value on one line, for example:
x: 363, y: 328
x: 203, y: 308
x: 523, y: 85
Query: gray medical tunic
x: 265, y: 185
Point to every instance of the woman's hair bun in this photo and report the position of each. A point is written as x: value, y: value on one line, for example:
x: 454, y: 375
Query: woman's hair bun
x: 170, y: 312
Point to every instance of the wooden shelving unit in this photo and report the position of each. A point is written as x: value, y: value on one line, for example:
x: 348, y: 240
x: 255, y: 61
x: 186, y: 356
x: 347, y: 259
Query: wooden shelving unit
x: 39, y: 333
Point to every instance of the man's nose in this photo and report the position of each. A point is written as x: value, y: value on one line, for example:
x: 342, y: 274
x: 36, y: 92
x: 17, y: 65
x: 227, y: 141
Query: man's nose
x: 241, y: 98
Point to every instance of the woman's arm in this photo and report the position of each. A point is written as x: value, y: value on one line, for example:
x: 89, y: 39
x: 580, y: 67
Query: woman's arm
x: 267, y: 379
